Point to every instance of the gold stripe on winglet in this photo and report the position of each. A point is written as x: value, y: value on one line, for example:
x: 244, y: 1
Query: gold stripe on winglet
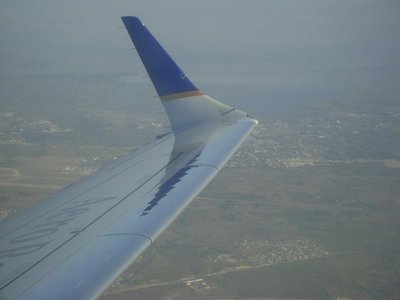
x: 181, y: 95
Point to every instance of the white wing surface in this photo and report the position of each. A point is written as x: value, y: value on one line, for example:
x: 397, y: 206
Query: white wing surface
x: 75, y: 243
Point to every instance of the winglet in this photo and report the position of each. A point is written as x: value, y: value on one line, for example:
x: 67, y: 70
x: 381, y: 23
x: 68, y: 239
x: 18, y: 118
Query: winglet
x: 168, y: 79
x: 184, y: 103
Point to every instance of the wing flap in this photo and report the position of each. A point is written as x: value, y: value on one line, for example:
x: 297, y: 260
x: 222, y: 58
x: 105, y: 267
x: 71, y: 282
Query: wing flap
x: 93, y: 268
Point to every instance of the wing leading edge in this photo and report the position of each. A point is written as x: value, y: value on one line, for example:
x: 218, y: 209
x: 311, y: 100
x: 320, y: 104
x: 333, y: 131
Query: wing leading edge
x: 74, y: 244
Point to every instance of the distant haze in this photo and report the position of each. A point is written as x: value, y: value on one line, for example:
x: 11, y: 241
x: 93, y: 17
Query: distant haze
x: 258, y: 52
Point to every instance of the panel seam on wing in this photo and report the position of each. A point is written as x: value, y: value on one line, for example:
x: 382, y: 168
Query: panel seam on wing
x: 130, y: 234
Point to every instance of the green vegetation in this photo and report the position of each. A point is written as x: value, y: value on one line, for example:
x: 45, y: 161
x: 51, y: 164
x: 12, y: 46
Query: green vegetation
x: 309, y: 210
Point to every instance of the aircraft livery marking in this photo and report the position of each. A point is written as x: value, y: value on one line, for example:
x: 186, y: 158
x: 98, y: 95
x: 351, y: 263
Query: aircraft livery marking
x: 43, y: 233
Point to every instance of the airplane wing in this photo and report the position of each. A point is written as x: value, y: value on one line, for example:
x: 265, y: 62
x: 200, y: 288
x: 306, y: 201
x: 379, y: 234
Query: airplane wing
x: 75, y: 243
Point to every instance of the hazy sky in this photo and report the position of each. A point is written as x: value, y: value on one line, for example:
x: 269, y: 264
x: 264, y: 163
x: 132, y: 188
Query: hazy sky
x: 276, y: 49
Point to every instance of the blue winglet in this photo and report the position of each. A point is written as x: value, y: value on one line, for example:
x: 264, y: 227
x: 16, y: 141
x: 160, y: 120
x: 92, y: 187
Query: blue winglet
x: 167, y: 77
